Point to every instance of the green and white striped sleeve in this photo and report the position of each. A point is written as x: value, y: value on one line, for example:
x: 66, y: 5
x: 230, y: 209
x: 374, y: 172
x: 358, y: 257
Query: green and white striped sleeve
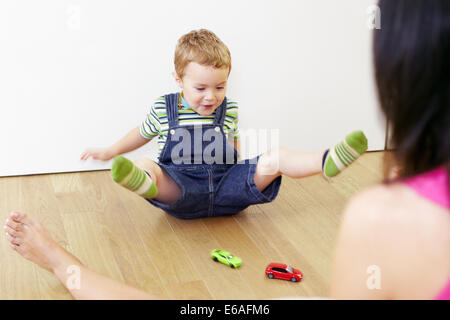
x: 233, y: 119
x: 151, y: 126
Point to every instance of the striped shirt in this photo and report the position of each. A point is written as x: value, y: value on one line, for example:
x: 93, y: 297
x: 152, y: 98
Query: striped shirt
x: 156, y: 122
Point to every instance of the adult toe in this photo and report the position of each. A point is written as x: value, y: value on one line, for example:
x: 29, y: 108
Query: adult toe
x: 13, y: 240
x: 13, y: 246
x: 13, y: 224
x: 18, y: 216
x: 22, y: 218
x: 12, y: 232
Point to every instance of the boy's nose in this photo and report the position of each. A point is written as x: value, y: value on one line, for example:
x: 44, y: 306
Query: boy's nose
x: 209, y: 96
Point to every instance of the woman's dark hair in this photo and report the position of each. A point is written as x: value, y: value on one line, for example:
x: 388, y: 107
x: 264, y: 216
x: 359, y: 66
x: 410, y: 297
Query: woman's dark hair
x: 412, y: 57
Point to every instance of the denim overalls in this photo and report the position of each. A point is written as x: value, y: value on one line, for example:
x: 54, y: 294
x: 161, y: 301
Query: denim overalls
x: 206, y: 168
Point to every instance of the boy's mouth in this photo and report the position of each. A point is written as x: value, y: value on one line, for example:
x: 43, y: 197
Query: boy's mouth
x: 208, y: 106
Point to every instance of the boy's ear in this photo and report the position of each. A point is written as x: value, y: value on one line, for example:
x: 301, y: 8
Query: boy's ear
x: 177, y: 78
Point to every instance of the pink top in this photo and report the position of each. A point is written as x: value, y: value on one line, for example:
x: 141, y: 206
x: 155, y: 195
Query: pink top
x: 433, y: 186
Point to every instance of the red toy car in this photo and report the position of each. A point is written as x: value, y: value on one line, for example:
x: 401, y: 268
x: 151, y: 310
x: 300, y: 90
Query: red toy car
x: 282, y: 271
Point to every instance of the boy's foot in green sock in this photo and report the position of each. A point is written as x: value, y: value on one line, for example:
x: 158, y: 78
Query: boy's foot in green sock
x: 125, y: 173
x: 344, y: 153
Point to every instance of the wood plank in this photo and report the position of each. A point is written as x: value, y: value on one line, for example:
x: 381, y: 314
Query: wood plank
x: 130, y: 253
x: 160, y: 242
x: 220, y: 280
x: 277, y: 247
x: 232, y: 237
x: 311, y: 254
x: 90, y: 243
x: 191, y: 290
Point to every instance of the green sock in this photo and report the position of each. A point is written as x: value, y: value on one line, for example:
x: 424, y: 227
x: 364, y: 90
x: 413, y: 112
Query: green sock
x: 344, y: 153
x: 125, y: 173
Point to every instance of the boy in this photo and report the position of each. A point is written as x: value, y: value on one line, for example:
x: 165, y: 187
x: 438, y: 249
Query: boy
x: 198, y: 173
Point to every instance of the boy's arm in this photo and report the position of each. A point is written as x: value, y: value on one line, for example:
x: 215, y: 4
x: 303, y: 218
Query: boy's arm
x: 130, y: 142
x: 237, y: 146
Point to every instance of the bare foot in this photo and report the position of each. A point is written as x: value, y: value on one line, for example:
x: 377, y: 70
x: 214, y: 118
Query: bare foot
x: 31, y: 241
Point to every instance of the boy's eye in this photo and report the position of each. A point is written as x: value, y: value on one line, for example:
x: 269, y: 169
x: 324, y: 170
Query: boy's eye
x: 200, y: 89
x: 219, y: 88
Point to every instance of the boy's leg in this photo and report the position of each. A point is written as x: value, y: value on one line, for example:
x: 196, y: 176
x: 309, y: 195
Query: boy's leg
x: 168, y: 190
x: 294, y: 164
x: 154, y: 185
x: 297, y: 164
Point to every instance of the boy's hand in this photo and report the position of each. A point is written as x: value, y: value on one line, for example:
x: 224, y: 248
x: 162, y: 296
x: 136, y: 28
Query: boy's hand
x: 97, y: 154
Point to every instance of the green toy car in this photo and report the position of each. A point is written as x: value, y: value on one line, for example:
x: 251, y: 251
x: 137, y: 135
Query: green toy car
x: 226, y: 258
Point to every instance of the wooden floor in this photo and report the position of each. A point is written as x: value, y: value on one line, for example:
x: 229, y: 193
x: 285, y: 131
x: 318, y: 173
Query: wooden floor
x: 120, y: 235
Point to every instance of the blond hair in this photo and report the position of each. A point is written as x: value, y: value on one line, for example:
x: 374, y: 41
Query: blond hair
x: 203, y: 47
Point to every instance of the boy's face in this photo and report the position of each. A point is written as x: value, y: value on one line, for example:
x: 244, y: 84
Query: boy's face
x: 204, y: 87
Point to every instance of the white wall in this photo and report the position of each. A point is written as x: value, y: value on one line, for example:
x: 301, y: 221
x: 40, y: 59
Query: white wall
x: 78, y: 74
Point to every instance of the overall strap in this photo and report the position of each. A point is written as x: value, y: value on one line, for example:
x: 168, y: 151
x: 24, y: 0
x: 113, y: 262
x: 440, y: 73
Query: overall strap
x: 220, y: 113
x: 172, y: 108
